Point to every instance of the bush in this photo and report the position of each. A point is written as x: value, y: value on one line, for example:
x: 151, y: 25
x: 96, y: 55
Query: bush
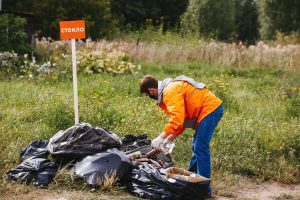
x: 115, y: 62
x: 12, y: 65
x: 13, y: 35
x: 57, y: 64
x: 286, y: 39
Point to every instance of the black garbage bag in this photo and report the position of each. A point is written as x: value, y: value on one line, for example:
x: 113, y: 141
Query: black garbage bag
x: 36, y: 149
x: 131, y: 142
x: 81, y: 140
x: 147, y: 182
x: 38, y: 170
x: 130, y: 138
x: 93, y: 168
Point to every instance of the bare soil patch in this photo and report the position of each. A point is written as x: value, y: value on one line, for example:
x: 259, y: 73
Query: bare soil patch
x: 269, y: 190
x: 247, y: 190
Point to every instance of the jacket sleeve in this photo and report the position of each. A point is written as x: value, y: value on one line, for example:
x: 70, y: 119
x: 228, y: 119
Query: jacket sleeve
x: 174, y: 101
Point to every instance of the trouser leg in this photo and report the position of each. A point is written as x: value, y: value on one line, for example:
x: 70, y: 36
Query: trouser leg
x: 200, y: 162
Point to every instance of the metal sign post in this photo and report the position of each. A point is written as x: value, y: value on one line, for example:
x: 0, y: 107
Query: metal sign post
x: 75, y: 91
x: 73, y: 30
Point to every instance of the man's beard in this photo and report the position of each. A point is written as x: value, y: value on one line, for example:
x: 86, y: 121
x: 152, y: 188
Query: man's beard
x: 152, y: 97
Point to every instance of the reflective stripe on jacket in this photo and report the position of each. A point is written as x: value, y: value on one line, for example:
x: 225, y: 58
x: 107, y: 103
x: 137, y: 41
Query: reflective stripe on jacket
x: 183, y: 102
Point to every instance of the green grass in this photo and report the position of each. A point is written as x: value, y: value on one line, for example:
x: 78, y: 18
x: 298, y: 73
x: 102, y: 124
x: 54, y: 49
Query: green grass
x: 258, y: 136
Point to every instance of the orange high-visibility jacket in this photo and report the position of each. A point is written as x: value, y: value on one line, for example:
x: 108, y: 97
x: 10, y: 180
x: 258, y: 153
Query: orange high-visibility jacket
x: 182, y: 101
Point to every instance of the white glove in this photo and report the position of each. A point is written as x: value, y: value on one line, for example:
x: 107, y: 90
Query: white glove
x: 157, y: 142
x: 166, y: 142
x: 167, y: 146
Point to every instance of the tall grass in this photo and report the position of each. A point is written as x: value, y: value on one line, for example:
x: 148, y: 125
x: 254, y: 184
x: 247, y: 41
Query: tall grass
x: 215, y: 53
x: 173, y: 48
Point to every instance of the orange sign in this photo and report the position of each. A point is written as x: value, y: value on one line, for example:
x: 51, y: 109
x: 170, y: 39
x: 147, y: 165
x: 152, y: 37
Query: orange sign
x: 72, y: 29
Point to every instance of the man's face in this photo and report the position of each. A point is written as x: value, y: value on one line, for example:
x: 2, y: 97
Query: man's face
x: 152, y: 93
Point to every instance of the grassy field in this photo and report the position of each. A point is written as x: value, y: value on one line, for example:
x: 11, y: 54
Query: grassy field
x: 258, y: 136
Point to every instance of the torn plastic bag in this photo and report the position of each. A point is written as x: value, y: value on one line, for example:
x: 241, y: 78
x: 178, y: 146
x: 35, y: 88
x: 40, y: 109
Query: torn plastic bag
x: 36, y: 149
x: 95, y: 167
x: 81, y: 140
x: 148, y: 182
x: 38, y: 170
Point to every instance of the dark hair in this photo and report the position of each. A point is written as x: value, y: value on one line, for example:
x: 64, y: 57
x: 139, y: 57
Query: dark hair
x: 148, y: 82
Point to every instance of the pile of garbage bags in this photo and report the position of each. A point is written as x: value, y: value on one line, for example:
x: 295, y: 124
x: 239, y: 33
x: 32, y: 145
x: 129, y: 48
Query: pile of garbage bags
x: 93, y: 153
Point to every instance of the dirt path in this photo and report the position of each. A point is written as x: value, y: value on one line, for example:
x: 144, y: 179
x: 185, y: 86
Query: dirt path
x: 246, y: 191
x: 266, y: 191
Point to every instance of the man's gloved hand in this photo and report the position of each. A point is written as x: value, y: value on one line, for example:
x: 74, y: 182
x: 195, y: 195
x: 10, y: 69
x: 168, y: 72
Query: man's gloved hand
x: 167, y: 146
x: 157, y: 142
x: 166, y: 142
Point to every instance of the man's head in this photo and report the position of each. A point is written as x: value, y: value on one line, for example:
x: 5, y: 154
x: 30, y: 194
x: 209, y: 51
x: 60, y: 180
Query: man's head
x: 149, y: 86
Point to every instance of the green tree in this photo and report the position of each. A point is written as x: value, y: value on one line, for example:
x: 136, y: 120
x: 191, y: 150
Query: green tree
x: 225, y: 20
x: 246, y: 21
x: 279, y: 16
x: 12, y: 34
x: 97, y: 14
x: 214, y: 18
x: 171, y: 10
x: 135, y: 14
x: 190, y: 18
x: 48, y: 13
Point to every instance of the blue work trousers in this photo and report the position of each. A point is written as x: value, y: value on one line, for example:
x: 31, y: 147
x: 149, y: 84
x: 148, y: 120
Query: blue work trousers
x: 200, y: 162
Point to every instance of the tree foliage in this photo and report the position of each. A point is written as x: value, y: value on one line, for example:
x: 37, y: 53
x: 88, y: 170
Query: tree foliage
x: 48, y: 13
x: 226, y: 20
x: 246, y: 21
x: 12, y: 34
x: 216, y: 18
x: 279, y: 16
x: 136, y: 14
x: 223, y: 20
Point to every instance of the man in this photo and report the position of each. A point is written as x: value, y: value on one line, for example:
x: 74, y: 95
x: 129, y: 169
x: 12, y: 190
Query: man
x: 188, y: 104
